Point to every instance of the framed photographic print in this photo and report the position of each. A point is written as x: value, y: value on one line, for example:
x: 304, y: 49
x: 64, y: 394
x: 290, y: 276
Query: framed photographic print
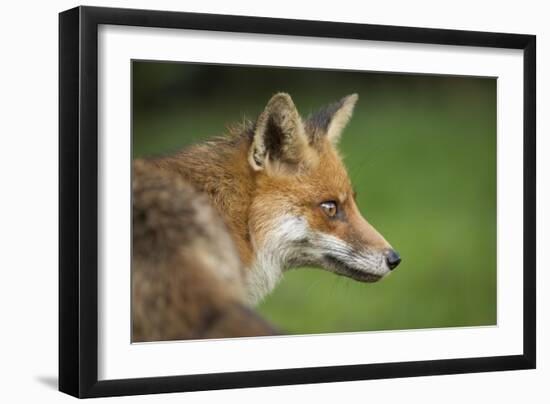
x: 252, y: 201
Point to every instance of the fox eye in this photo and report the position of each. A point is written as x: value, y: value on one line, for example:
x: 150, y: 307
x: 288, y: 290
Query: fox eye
x: 330, y: 208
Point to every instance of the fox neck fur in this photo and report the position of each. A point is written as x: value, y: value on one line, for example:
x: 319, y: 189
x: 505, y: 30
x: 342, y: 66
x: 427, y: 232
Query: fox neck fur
x: 220, y: 169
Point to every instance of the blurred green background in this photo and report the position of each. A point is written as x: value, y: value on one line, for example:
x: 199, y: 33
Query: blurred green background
x: 421, y: 151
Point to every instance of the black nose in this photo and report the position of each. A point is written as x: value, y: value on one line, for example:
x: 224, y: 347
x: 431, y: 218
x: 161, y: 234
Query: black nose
x: 393, y: 259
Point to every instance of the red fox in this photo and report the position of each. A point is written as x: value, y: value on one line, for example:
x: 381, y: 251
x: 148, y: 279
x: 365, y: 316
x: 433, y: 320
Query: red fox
x: 231, y: 215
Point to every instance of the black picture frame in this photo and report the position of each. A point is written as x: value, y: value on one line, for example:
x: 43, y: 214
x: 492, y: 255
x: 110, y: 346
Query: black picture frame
x: 78, y: 201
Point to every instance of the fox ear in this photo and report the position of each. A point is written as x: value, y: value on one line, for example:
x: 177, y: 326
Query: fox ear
x: 279, y: 135
x: 331, y: 120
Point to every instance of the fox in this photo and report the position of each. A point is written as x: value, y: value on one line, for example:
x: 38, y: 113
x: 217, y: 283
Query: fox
x: 216, y: 225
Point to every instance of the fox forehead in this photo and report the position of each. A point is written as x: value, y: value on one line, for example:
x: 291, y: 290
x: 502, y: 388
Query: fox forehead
x: 327, y: 179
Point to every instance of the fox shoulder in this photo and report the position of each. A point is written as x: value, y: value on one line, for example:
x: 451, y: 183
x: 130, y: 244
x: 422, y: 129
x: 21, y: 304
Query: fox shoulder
x: 187, y: 279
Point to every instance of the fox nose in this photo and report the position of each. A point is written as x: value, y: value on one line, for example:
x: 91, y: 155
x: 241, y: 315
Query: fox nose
x: 393, y: 259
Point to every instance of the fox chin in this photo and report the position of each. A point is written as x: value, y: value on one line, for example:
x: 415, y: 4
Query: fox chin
x: 283, y: 196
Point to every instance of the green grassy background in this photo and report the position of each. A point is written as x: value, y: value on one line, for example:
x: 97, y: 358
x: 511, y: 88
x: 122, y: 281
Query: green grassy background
x: 421, y: 151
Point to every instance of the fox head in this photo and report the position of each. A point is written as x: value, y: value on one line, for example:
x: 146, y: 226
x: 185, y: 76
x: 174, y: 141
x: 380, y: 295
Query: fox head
x: 303, y: 211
